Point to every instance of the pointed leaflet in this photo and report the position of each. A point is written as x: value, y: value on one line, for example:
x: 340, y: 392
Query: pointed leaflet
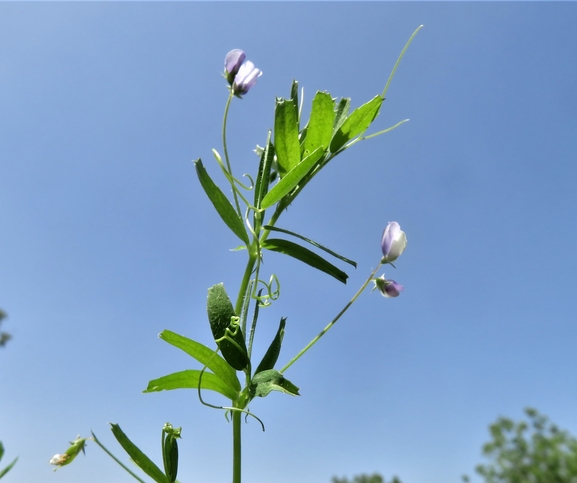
x: 263, y: 177
x: 266, y: 381
x: 320, y: 125
x: 205, y: 356
x: 357, y: 123
x: 221, y: 315
x: 295, y: 99
x: 312, y: 242
x: 291, y: 179
x: 305, y: 255
x: 286, y: 135
x: 271, y: 355
x: 136, y: 455
x: 221, y: 203
x: 341, y: 113
x: 189, y: 379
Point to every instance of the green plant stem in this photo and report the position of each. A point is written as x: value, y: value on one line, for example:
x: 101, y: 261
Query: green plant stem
x: 224, y: 146
x: 114, y: 457
x: 333, y: 322
x: 236, y: 450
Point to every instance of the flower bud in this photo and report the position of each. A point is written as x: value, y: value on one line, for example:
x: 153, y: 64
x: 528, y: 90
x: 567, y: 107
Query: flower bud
x: 393, y: 242
x: 68, y: 456
x: 388, y: 288
x: 232, y: 63
x: 245, y: 78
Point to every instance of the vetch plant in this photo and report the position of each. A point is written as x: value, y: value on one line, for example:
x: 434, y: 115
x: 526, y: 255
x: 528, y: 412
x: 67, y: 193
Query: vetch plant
x: 295, y: 152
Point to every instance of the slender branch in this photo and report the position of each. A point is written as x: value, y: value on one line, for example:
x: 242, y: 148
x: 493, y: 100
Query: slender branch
x: 338, y: 316
x: 115, y: 458
x: 224, y: 145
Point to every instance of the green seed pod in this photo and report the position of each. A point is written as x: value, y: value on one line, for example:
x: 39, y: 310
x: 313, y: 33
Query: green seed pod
x: 170, y: 451
x: 222, y: 323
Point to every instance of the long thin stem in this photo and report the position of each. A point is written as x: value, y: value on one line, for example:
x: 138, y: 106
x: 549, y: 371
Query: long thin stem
x: 224, y: 146
x: 236, y: 450
x: 114, y: 457
x: 333, y: 322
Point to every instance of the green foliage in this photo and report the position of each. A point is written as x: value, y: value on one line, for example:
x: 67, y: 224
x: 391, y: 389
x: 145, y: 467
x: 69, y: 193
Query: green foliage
x: 376, y: 478
x: 9, y: 467
x: 4, y: 336
x: 533, y: 451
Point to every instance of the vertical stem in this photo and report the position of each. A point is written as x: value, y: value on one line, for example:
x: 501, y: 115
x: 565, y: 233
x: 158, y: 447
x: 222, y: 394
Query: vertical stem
x: 236, y: 449
x: 224, y: 120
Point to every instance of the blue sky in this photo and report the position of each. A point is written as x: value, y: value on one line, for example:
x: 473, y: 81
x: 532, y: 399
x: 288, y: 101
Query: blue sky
x: 107, y: 237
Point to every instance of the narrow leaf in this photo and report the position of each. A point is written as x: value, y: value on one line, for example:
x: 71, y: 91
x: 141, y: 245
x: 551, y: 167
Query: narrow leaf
x: 220, y: 314
x: 263, y: 177
x: 221, y: 203
x: 295, y: 98
x: 291, y: 179
x: 141, y: 460
x: 189, y: 379
x: 8, y: 468
x: 271, y: 355
x: 341, y: 113
x: 357, y: 123
x: 266, y: 381
x: 320, y: 126
x: 312, y: 242
x: 286, y: 135
x: 206, y: 356
x: 305, y: 255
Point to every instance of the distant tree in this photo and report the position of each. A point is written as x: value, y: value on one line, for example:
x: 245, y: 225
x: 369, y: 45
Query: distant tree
x: 536, y: 451
x: 4, y: 336
x: 376, y: 478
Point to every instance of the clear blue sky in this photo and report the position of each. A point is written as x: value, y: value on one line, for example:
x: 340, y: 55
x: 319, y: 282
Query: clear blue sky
x: 107, y: 239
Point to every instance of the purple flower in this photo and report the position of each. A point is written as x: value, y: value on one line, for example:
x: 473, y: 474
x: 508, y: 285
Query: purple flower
x: 393, y: 242
x: 245, y: 78
x: 388, y: 288
x: 232, y: 63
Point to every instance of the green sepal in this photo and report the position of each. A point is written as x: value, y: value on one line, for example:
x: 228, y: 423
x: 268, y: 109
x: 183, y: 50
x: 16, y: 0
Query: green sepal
x: 139, y: 458
x: 170, y: 451
x: 220, y: 315
x: 312, y: 242
x: 272, y: 353
x: 205, y: 356
x: 286, y: 135
x: 305, y: 255
x: 263, y: 177
x: 189, y: 379
x: 292, y: 178
x: 221, y: 202
x: 357, y: 123
x: 320, y: 126
x: 266, y: 381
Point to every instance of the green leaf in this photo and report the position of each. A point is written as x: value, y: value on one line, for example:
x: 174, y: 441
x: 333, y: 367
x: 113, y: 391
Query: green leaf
x: 271, y: 355
x: 357, y: 123
x: 220, y: 315
x: 221, y: 203
x: 341, y: 113
x: 189, y: 379
x: 295, y: 98
x: 8, y: 468
x: 263, y: 177
x: 292, y: 179
x: 266, y: 381
x: 305, y: 255
x: 312, y: 242
x: 320, y: 126
x: 141, y: 460
x: 286, y: 135
x: 205, y: 356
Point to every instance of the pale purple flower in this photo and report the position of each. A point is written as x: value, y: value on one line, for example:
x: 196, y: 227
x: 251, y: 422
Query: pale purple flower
x: 393, y: 242
x: 388, y: 288
x: 245, y: 78
x: 232, y: 63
